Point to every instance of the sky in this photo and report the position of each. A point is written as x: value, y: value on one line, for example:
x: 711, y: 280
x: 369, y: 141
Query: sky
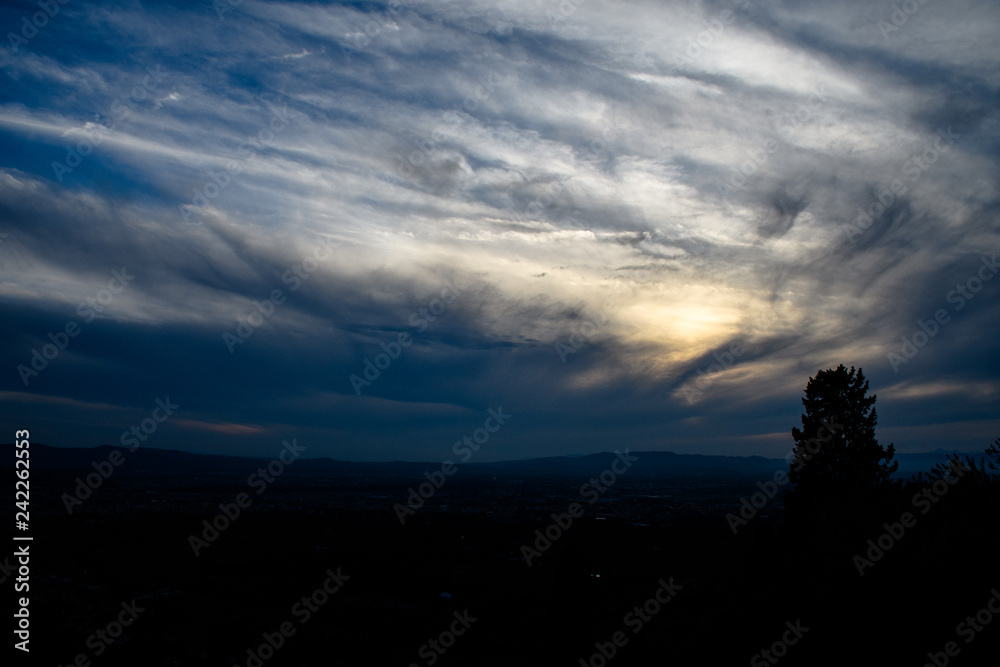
x: 623, y: 224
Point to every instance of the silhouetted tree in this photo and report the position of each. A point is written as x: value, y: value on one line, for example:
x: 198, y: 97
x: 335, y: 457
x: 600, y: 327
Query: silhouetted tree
x: 983, y: 471
x: 838, y: 466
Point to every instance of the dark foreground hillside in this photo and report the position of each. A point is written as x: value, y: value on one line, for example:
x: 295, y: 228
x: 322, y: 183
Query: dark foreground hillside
x: 652, y: 564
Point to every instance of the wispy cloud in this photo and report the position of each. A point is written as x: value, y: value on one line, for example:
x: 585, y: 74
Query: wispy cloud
x: 549, y: 159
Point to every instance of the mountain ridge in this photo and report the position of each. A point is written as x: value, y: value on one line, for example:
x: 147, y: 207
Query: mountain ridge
x: 647, y: 463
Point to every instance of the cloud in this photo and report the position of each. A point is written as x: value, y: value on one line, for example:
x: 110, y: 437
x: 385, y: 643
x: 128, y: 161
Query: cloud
x: 638, y: 181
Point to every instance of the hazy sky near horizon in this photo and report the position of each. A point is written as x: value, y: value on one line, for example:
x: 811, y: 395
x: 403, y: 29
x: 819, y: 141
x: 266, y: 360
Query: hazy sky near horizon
x: 568, y: 210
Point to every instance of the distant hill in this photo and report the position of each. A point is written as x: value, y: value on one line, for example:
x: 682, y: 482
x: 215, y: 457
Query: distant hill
x: 146, y: 460
x: 658, y: 464
x: 911, y: 464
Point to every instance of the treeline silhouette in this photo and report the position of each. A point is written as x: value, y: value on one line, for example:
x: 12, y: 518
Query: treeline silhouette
x: 883, y: 571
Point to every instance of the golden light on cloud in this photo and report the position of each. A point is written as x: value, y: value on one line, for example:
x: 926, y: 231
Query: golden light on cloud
x: 682, y: 328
